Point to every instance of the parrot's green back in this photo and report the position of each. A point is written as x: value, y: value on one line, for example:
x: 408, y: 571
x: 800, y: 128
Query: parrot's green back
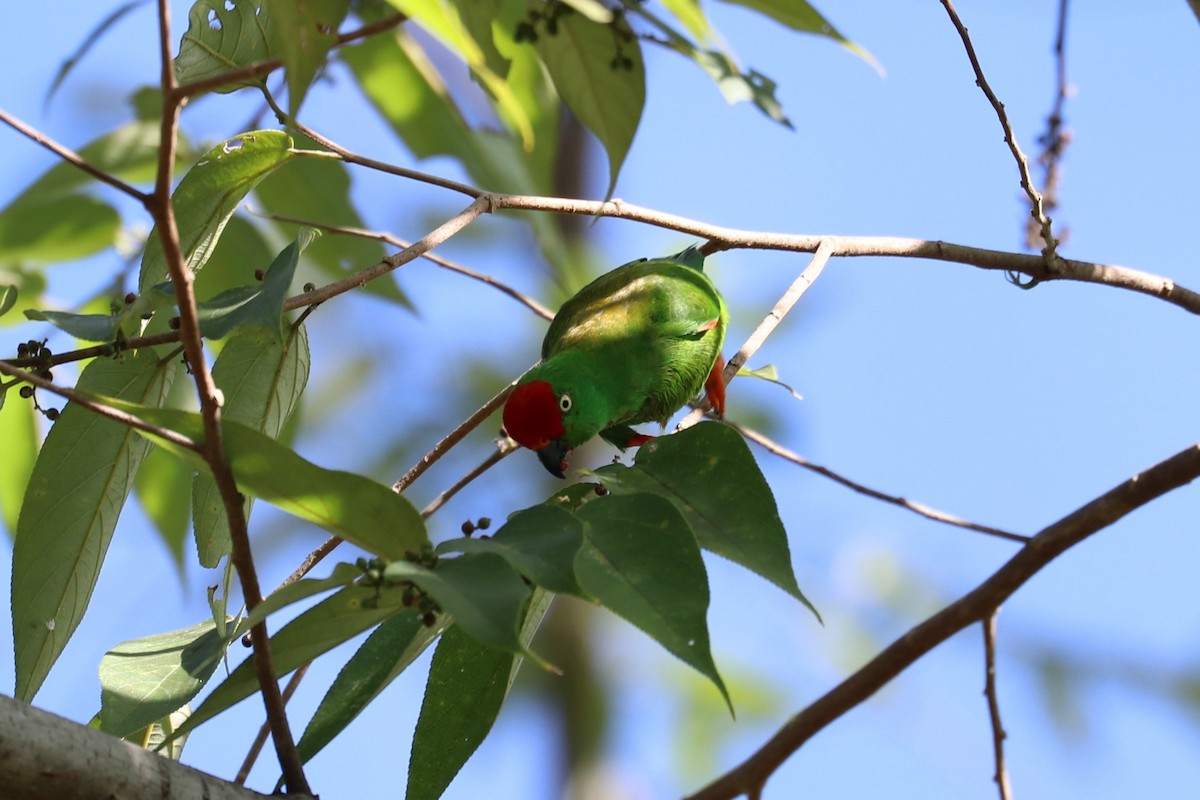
x: 635, y: 344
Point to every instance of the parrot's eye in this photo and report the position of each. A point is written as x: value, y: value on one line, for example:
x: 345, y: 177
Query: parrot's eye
x: 564, y: 402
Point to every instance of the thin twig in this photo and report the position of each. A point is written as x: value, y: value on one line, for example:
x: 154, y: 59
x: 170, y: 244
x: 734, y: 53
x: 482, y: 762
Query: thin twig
x: 1037, y: 211
x: 265, y: 729
x: 1055, y: 139
x: 445, y: 263
x: 1053, y: 540
x: 993, y: 703
x: 917, y: 508
x: 160, y: 206
x: 267, y: 66
x: 798, y: 287
x: 71, y: 157
x: 503, y: 448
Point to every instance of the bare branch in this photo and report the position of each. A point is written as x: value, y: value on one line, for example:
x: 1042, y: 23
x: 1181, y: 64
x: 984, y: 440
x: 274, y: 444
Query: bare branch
x: 916, y: 508
x: 265, y: 730
x: 799, y: 286
x: 71, y: 157
x: 1055, y: 139
x: 503, y: 448
x: 993, y: 703
x: 1038, y: 211
x: 524, y: 299
x: 749, y: 777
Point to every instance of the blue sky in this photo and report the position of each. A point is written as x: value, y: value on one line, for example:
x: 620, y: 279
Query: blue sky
x: 938, y: 382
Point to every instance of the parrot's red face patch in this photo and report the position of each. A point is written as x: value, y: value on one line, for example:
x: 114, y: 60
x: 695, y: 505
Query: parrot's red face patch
x: 531, y: 415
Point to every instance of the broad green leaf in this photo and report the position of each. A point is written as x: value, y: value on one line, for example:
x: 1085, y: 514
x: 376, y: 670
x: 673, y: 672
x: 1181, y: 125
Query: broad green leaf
x: 78, y: 487
x: 357, y: 509
x: 144, y: 680
x: 691, y: 15
x: 479, y: 590
x: 27, y: 286
x: 800, y: 16
x: 302, y: 33
x: 540, y: 543
x: 443, y: 21
x: 19, y: 433
x: 208, y: 195
x: 130, y: 152
x: 599, y: 73
x: 641, y: 561
x: 260, y: 305
x: 318, y: 630
x: 62, y: 228
x: 385, y: 654
x: 88, y: 327
x: 154, y: 736
x: 8, y: 298
x: 164, y: 490
x: 262, y: 378
x: 708, y: 472
x: 223, y: 35
x: 468, y: 682
x: 245, y: 246
x: 317, y: 188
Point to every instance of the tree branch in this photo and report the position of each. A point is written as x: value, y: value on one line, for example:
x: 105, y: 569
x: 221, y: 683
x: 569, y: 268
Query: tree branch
x: 44, y: 755
x: 1037, y: 211
x: 993, y: 703
x: 749, y: 777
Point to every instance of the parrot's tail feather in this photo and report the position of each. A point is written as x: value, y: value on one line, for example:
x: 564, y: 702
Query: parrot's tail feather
x: 690, y: 256
x: 715, y: 386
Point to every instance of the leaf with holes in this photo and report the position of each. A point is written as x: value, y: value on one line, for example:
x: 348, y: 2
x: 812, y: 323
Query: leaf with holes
x: 224, y: 35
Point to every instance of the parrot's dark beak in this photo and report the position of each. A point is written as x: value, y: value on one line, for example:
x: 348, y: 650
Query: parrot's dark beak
x: 554, y: 457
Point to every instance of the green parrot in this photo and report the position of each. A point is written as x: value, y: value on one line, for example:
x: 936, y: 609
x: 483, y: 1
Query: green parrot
x: 632, y: 346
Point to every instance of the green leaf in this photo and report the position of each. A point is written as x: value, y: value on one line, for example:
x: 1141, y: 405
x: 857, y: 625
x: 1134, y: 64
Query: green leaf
x: 480, y: 590
x: 154, y: 736
x: 208, y: 195
x: 342, y: 575
x: 88, y: 327
x: 599, y: 73
x: 302, y: 33
x: 385, y: 654
x: 262, y: 378
x: 357, y: 509
x: 691, y: 15
x: 63, y: 228
x: 164, y: 489
x: 318, y: 630
x: 259, y: 305
x: 223, y: 35
x: 540, y: 543
x: 8, y: 298
x: 144, y: 680
x: 317, y: 188
x: 467, y: 685
x: 640, y: 560
x: 800, y: 16
x: 19, y: 433
x: 708, y: 472
x: 738, y: 86
x: 768, y: 373
x: 130, y: 153
x: 78, y: 487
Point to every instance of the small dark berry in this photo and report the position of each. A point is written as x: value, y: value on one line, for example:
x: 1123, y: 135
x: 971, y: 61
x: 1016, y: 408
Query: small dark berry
x: 310, y: 287
x: 148, y: 316
x: 22, y: 350
x: 429, y: 619
x: 45, y: 374
x: 129, y: 298
x: 258, y: 274
x: 247, y: 641
x: 468, y: 528
x: 51, y: 414
x: 45, y: 352
x: 552, y: 26
x: 484, y: 523
x: 173, y: 323
x: 26, y: 391
x: 601, y: 490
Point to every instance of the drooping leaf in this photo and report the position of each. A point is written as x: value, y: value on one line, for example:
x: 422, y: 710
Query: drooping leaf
x: 154, y: 736
x: 768, y: 373
x: 599, y: 72
x: 61, y: 228
x: 244, y: 248
x: 357, y: 509
x: 27, y: 285
x: 479, y: 590
x: 302, y: 35
x: 385, y: 654
x: 129, y: 152
x: 144, y: 680
x: 78, y: 487
x: 318, y: 630
x: 224, y: 35
x: 164, y: 489
x: 342, y: 575
x: 8, y: 298
x: 800, y: 16
x: 88, y: 327
x: 259, y: 305
x: 208, y: 195
x: 540, y: 543
x: 262, y: 378
x: 641, y: 561
x: 710, y: 475
x: 468, y: 682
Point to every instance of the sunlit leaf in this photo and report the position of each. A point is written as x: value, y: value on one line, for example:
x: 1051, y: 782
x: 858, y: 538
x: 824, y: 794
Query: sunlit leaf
x: 129, y: 152
x: 303, y: 33
x: 144, y: 680
x: 18, y: 431
x: 88, y: 327
x: 599, y: 73
x: 78, y: 487
x: 60, y: 228
x: 468, y: 682
x: 223, y: 35
x: 208, y: 195
x: 800, y: 16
